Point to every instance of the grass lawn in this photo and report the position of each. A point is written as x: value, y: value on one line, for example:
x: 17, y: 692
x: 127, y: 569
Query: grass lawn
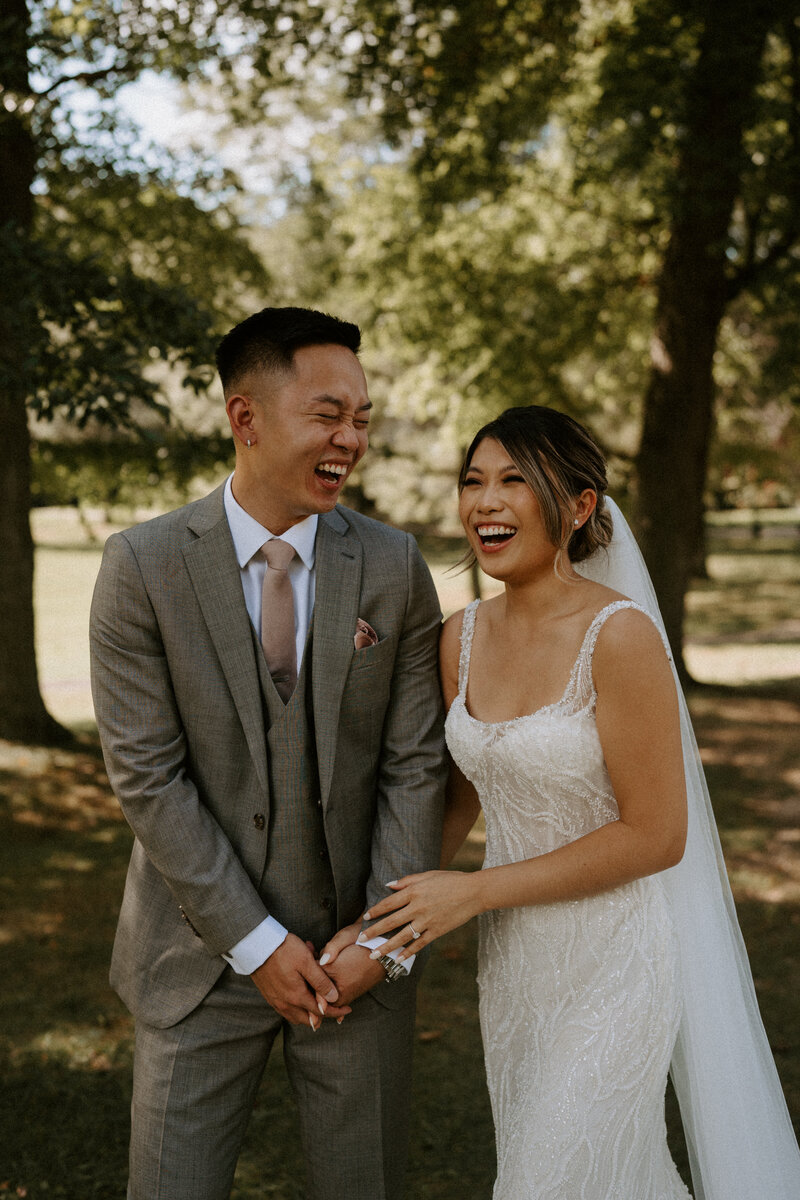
x: 65, y: 1040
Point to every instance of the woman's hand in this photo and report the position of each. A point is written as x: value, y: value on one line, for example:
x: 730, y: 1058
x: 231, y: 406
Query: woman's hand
x: 426, y: 906
x: 330, y: 952
x: 345, y: 937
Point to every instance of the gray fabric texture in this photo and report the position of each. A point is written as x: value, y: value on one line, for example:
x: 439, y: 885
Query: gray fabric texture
x: 242, y: 807
x: 179, y: 705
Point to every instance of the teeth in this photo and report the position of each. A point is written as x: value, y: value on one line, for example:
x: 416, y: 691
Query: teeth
x: 494, y: 530
x: 332, y: 468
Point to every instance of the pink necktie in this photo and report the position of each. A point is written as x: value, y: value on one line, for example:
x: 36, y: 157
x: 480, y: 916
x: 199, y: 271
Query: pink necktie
x: 277, y: 617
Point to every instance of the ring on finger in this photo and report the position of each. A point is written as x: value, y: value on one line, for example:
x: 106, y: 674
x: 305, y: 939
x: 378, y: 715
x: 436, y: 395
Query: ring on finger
x: 414, y: 933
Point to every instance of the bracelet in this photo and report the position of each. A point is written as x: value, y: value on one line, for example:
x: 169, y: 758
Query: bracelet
x: 394, y: 970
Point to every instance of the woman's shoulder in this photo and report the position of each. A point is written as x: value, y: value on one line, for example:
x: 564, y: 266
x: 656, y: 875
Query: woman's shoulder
x: 627, y: 639
x: 450, y: 638
x: 450, y: 654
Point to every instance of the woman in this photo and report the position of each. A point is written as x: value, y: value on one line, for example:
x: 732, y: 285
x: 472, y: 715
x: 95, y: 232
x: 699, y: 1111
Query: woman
x: 600, y: 959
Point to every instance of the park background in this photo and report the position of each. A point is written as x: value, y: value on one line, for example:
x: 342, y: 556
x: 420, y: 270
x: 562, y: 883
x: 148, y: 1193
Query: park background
x: 591, y: 205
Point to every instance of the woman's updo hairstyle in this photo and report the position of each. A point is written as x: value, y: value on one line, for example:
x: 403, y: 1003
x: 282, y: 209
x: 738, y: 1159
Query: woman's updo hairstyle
x: 558, y: 459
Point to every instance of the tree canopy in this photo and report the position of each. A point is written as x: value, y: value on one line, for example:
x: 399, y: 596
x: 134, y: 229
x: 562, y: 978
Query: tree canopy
x: 607, y: 199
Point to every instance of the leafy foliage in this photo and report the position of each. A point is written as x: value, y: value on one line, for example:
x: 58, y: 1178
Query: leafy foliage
x: 522, y: 258
x: 123, y: 264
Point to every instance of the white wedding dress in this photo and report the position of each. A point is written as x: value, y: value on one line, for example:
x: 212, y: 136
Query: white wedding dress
x: 580, y: 1001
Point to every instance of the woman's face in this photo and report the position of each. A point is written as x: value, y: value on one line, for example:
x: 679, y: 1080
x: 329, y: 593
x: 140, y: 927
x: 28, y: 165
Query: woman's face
x: 502, y: 517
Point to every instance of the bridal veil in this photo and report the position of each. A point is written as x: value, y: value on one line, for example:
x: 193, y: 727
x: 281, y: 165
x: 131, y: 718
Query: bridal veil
x: 738, y: 1132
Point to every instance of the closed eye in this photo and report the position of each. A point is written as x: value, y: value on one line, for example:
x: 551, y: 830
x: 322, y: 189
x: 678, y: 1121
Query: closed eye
x: 358, y: 424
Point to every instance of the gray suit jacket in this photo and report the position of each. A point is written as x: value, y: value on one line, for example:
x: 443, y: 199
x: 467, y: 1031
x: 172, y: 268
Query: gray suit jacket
x: 179, y: 709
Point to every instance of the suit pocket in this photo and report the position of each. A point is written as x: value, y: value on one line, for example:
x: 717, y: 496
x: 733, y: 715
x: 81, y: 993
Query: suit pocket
x: 372, y: 656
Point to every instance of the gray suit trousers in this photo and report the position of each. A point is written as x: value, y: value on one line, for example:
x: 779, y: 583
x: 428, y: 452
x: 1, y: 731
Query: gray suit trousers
x: 195, y: 1085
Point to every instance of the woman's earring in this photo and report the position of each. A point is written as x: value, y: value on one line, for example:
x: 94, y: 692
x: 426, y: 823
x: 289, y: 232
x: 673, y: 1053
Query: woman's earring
x: 576, y: 522
x: 249, y: 444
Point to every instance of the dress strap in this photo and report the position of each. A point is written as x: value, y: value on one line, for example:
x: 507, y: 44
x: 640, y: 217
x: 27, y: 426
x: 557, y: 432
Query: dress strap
x: 592, y: 633
x: 467, y: 630
x: 582, y: 683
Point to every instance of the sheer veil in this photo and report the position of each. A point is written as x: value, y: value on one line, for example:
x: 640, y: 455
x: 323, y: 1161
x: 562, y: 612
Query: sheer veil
x: 739, y: 1135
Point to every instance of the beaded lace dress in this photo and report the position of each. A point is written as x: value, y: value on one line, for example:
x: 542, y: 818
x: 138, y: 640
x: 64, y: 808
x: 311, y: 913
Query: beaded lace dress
x: 579, y: 1000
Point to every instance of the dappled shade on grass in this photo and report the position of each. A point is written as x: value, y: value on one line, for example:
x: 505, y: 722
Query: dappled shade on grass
x: 65, y: 1050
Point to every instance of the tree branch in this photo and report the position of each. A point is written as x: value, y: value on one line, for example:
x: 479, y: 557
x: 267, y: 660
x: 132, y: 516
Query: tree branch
x: 86, y: 77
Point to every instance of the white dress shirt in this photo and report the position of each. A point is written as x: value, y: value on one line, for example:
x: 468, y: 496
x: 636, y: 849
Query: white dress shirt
x: 248, y: 538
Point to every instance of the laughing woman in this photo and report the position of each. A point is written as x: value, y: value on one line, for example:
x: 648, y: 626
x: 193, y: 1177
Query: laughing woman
x: 602, y: 961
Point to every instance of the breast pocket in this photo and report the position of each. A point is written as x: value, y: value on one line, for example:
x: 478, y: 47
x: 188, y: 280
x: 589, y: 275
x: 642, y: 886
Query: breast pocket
x: 373, y: 656
x: 368, y: 687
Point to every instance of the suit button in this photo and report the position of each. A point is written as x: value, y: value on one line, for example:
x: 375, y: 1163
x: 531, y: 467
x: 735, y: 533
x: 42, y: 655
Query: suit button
x: 323, y: 853
x: 258, y: 821
x: 326, y: 903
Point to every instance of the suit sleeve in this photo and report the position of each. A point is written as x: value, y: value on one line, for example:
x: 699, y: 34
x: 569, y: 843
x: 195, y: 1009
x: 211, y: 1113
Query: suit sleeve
x: 144, y: 746
x: 410, y: 797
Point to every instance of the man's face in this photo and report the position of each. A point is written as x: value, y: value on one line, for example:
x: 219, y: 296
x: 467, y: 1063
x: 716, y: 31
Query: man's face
x: 311, y: 430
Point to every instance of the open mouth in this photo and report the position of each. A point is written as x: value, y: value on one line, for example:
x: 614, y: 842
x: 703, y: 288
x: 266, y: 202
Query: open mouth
x: 493, y: 536
x: 331, y: 473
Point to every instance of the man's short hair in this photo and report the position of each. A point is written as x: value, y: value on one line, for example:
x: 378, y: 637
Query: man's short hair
x: 268, y: 340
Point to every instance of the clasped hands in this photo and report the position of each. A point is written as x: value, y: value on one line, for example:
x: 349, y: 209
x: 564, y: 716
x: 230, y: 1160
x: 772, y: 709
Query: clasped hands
x: 420, y: 908
x: 294, y: 983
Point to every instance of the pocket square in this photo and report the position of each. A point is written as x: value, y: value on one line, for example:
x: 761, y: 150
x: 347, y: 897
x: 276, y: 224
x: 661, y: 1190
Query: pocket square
x: 365, y: 635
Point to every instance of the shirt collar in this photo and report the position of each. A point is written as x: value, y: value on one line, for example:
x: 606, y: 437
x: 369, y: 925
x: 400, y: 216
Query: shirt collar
x: 249, y: 536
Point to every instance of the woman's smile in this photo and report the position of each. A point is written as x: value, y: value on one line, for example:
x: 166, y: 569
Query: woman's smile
x: 495, y: 537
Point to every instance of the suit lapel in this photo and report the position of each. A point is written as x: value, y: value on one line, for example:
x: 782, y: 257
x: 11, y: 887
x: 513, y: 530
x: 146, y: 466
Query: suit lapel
x: 214, y: 572
x: 338, y: 587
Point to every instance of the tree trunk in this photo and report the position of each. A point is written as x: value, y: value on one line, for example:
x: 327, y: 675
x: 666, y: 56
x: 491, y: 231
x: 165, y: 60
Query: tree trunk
x: 679, y: 403
x: 23, y: 716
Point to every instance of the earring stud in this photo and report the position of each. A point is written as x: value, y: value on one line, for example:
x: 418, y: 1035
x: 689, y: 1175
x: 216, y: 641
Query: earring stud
x: 576, y: 522
x: 249, y: 443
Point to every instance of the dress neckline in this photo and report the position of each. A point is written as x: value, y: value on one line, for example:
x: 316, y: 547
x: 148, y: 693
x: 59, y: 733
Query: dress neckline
x: 467, y: 632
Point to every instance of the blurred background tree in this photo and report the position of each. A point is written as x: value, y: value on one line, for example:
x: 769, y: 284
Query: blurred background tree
x: 118, y: 266
x: 589, y: 205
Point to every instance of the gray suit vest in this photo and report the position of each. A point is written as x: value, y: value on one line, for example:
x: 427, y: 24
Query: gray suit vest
x: 297, y: 884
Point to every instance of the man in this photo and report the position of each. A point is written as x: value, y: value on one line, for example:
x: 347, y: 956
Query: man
x: 278, y: 753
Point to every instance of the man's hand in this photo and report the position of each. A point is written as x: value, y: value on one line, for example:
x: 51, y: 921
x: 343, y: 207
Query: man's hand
x: 289, y: 979
x: 354, y: 973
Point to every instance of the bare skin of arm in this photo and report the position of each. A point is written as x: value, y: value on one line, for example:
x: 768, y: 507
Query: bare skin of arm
x: 461, y: 800
x: 637, y: 721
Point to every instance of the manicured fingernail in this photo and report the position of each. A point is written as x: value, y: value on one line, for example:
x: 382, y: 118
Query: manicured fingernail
x: 362, y: 937
x: 326, y: 958
x: 311, y: 1020
x: 374, y: 953
x: 332, y: 996
x: 367, y: 917
x: 392, y: 883
x: 321, y: 1009
x: 339, y: 1020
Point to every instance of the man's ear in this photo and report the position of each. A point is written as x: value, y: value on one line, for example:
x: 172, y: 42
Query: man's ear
x: 241, y: 414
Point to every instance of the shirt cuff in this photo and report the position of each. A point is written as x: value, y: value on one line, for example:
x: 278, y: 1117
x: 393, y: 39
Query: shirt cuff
x: 376, y: 942
x: 255, y: 948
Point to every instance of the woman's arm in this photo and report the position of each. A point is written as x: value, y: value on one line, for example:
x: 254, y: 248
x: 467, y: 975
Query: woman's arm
x: 461, y: 800
x: 638, y: 724
x: 460, y: 814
